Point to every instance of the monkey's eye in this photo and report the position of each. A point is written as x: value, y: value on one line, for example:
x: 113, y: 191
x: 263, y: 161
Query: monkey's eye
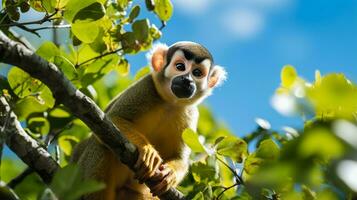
x: 180, y: 66
x: 197, y: 72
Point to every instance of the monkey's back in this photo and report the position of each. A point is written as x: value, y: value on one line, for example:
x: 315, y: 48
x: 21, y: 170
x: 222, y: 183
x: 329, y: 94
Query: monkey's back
x: 135, y: 100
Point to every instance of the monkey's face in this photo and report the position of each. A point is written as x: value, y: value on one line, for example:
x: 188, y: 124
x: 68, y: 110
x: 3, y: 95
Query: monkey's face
x: 187, y: 74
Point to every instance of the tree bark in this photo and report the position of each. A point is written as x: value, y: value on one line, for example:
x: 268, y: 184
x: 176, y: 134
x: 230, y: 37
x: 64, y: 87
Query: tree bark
x: 29, y: 151
x: 79, y: 104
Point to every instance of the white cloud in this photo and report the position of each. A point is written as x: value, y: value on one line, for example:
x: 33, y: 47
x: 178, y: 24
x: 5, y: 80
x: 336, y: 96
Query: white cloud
x: 269, y: 5
x: 243, y: 23
x: 192, y: 7
x: 241, y: 19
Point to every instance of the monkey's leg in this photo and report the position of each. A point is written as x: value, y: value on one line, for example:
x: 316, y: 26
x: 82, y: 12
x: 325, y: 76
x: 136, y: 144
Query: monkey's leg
x: 135, y: 192
x: 99, y: 163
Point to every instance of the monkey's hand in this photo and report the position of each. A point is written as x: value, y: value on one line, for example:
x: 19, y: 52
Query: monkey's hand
x: 148, y: 162
x: 164, y: 179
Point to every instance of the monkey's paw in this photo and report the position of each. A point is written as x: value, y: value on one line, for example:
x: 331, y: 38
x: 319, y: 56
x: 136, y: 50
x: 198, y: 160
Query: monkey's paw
x: 164, y: 179
x: 148, y: 162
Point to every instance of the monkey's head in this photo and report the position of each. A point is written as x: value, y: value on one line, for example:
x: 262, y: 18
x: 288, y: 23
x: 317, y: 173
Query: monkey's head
x: 184, y: 73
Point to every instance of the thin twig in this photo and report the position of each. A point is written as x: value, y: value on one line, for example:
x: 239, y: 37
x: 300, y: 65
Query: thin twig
x: 239, y: 180
x: 163, y: 25
x: 18, y: 179
x: 52, y: 27
x: 23, y: 26
x: 40, y: 21
x: 225, y: 189
x: 51, y: 136
x: 10, y: 193
x: 100, y: 56
x: 57, y: 154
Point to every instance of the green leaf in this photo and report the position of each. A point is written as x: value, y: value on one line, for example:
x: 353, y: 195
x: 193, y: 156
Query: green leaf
x: 24, y: 85
x: 43, y: 5
x: 198, y: 196
x: 155, y: 32
x: 39, y: 125
x: 190, y: 137
x: 28, y: 105
x: 48, y: 50
x: 218, y: 140
x: 86, y: 32
x: 233, y: 147
x: 62, y: 3
x: 163, y: 9
x: 66, y: 143
x: 123, y: 67
x: 66, y: 67
x: 141, y: 29
x: 134, y: 13
x: 123, y: 4
x: 85, y: 53
x: 129, y: 44
x: 267, y: 152
x: 91, y: 13
x: 72, y: 186
x: 322, y: 143
x: 74, y: 6
x: 47, y: 194
x: 142, y: 72
x: 203, y: 173
x: 252, y: 164
x: 78, y: 130
x: 150, y: 5
x: 10, y: 168
x: 59, y: 113
x: 333, y: 96
x: 98, y: 45
x: 96, y: 70
x: 288, y: 76
x: 268, y: 149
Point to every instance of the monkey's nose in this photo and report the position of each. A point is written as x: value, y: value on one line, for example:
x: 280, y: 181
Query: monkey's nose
x: 187, y: 82
x: 183, y: 87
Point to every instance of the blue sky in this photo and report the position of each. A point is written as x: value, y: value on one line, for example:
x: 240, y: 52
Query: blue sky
x: 253, y: 39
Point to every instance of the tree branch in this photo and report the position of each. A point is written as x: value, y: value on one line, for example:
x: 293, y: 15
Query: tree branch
x: 78, y: 103
x: 46, y: 18
x: 22, y: 25
x: 24, y: 146
x: 100, y: 56
x: 52, y: 27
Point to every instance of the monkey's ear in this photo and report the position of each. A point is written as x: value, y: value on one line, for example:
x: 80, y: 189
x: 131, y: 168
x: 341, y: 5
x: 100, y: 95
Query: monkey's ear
x: 217, y: 76
x: 157, y: 56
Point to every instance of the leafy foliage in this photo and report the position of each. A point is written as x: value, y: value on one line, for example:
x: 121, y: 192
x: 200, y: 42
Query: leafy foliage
x: 316, y: 161
x: 291, y: 164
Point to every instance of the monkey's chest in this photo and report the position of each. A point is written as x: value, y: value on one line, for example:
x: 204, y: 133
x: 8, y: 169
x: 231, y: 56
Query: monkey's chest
x: 163, y: 128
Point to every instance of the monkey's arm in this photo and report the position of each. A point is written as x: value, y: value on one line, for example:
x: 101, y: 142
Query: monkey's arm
x: 127, y: 128
x: 149, y: 160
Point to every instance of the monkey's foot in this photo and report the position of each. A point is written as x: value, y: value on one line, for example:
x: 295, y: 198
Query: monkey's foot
x: 165, y: 179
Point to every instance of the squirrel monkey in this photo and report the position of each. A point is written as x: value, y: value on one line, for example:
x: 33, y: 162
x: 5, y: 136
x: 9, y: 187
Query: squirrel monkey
x: 152, y: 114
